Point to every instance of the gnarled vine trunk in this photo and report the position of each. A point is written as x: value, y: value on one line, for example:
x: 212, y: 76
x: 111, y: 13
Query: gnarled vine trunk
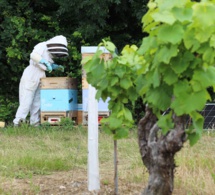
x: 158, y: 151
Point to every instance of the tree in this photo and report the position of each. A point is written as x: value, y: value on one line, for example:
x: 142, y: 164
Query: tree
x: 118, y: 20
x: 171, y: 71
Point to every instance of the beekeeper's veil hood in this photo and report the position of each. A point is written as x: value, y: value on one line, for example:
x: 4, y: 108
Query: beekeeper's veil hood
x: 57, y: 46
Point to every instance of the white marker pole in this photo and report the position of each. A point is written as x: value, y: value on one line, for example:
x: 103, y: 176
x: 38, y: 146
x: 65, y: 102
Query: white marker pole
x: 93, y: 161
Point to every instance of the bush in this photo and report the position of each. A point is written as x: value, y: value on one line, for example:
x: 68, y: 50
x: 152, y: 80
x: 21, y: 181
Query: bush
x: 8, y: 109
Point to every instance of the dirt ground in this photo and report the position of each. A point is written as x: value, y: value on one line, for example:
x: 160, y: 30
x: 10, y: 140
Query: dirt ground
x: 65, y: 183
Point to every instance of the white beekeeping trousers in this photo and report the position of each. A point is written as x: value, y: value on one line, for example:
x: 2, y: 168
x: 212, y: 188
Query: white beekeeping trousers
x: 29, y: 101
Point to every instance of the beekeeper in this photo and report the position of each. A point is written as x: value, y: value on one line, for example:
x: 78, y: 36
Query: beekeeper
x: 41, y: 60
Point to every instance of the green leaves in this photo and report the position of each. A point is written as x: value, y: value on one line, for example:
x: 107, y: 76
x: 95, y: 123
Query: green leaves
x: 186, y: 100
x: 212, y: 41
x: 182, y: 62
x: 120, y: 71
x: 118, y: 123
x: 180, y: 53
x: 114, y: 122
x: 160, y: 97
x: 165, y: 53
x: 189, y: 102
x: 202, y: 13
x: 115, y: 79
x: 171, y: 33
x: 173, y: 67
x: 204, y: 77
x: 190, y: 40
x: 165, y: 123
x: 109, y: 46
x: 183, y: 14
x: 164, y: 16
x: 195, y: 131
x: 7, y: 110
x: 95, y: 68
x: 170, y: 77
x: 125, y: 83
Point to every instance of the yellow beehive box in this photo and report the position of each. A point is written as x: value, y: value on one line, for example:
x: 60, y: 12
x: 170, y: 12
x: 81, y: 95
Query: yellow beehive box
x: 58, y: 83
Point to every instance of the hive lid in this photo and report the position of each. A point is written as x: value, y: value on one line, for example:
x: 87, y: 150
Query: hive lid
x: 93, y: 49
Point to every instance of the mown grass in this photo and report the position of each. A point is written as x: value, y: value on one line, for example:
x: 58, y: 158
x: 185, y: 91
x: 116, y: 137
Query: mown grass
x: 26, y: 151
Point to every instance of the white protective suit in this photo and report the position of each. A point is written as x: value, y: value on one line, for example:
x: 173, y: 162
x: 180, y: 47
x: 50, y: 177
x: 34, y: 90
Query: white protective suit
x: 29, y: 87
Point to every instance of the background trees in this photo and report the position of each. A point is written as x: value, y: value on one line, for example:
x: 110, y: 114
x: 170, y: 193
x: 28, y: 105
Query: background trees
x: 24, y: 23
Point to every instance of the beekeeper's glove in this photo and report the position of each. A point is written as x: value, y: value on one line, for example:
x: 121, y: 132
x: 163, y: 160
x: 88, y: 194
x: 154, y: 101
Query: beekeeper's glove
x: 61, y: 68
x: 47, y: 64
x: 57, y: 67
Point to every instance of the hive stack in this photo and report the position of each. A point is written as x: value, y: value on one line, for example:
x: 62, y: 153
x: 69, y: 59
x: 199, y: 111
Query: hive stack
x: 58, y: 99
x: 102, y: 106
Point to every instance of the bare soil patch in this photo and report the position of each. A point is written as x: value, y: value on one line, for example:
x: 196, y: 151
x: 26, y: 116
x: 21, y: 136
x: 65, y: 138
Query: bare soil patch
x: 65, y: 183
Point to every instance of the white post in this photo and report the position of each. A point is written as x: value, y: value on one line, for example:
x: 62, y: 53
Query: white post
x: 93, y: 161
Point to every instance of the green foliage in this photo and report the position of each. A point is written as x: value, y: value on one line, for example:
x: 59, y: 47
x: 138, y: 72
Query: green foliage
x: 180, y: 30
x: 115, y: 79
x: 117, y: 19
x: 7, y: 109
x: 67, y: 123
x: 173, y: 68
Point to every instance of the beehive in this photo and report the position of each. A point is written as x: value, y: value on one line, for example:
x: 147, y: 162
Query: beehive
x: 58, y: 99
x: 102, y: 106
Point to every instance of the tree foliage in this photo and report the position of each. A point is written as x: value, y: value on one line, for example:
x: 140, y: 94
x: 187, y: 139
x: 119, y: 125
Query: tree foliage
x: 171, y: 72
x: 118, y: 20
x: 172, y: 69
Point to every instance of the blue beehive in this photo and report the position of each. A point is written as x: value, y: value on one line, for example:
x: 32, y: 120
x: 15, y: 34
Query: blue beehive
x: 102, y: 106
x: 58, y: 99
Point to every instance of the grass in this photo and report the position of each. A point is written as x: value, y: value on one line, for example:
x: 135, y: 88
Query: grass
x: 27, y: 151
x: 197, y: 167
